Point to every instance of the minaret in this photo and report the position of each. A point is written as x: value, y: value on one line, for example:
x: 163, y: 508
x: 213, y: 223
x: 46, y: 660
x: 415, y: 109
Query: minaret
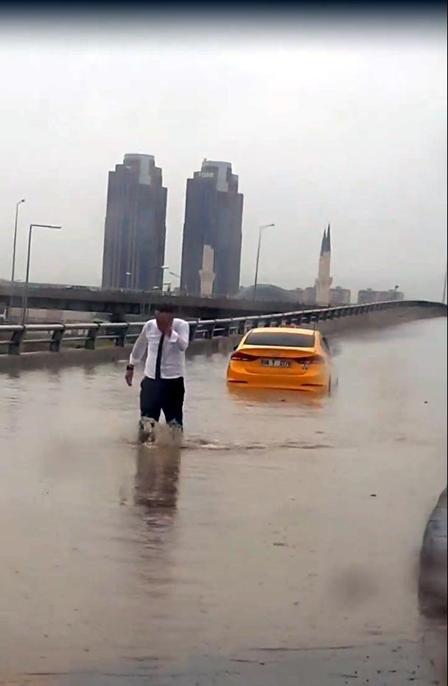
x: 323, y: 281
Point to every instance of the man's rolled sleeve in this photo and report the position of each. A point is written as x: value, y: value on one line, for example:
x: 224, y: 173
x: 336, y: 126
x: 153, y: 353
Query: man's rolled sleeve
x: 140, y: 347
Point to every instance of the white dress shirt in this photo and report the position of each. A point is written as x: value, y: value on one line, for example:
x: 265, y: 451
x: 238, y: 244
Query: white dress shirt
x: 173, y: 351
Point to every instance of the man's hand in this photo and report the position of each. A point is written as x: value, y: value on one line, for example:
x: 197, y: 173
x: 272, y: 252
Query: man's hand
x: 166, y: 330
x: 129, y: 375
x: 165, y: 323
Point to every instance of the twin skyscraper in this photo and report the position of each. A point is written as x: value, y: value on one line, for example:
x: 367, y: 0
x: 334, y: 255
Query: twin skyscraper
x: 135, y: 228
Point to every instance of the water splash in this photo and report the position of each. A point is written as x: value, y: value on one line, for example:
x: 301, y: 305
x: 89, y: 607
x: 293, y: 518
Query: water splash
x: 164, y: 438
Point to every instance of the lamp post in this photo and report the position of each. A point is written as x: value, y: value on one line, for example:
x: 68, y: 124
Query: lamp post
x: 28, y: 259
x: 444, y: 289
x: 260, y: 233
x: 14, y: 244
x: 13, y: 269
x: 128, y: 279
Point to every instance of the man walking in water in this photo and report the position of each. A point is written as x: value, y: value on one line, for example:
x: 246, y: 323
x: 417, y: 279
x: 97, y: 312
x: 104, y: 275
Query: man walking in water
x: 165, y: 340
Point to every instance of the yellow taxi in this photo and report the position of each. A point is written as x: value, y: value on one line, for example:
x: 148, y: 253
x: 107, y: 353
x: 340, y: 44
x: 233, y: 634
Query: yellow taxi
x: 283, y: 358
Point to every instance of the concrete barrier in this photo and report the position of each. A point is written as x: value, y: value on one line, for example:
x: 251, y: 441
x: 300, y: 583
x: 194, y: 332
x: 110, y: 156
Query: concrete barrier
x: 80, y: 356
x: 347, y: 322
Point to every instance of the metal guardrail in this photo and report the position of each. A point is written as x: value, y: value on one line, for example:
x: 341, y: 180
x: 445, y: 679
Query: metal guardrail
x: 15, y: 338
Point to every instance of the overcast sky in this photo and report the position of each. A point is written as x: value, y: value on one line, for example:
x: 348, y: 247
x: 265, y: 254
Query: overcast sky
x: 322, y: 122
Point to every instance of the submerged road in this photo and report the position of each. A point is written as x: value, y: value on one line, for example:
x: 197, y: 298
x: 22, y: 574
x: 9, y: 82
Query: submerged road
x: 279, y: 546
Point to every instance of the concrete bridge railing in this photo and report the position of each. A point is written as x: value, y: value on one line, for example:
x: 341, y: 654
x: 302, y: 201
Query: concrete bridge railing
x: 15, y: 338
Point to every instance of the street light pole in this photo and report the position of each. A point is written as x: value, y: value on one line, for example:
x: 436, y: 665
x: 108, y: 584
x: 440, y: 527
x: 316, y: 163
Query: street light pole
x: 28, y: 260
x: 14, y: 244
x: 257, y: 263
x: 13, y: 269
x: 444, y: 289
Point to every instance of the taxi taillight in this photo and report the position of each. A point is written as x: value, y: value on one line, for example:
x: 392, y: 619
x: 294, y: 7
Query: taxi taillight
x: 310, y: 359
x: 239, y: 356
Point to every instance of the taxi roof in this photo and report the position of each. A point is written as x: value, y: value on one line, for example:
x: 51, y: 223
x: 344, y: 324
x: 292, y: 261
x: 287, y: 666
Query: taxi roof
x: 286, y: 329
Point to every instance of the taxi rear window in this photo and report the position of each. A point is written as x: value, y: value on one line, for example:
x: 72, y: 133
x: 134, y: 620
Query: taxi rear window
x: 280, y: 339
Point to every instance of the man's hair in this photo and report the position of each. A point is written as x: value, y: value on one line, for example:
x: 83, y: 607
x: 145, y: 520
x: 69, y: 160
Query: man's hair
x: 165, y: 308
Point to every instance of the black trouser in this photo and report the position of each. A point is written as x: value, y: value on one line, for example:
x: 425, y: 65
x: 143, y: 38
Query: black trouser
x: 162, y: 395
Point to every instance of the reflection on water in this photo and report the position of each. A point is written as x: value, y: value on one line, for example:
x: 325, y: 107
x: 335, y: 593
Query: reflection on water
x: 90, y: 371
x: 280, y: 511
x: 273, y: 397
x: 156, y: 479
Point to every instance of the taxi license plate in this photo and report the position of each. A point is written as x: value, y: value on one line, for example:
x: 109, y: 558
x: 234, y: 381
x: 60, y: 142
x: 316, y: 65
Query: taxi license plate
x: 275, y: 363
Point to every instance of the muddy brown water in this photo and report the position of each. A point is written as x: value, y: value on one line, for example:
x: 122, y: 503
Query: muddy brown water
x: 285, y: 522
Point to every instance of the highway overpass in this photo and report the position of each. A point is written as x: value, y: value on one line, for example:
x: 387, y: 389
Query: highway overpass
x: 118, y: 303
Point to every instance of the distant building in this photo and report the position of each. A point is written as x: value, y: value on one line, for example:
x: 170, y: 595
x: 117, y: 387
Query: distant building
x: 211, y: 251
x: 337, y: 296
x: 368, y: 295
x: 323, y: 281
x: 340, y: 296
x: 274, y: 294
x: 309, y: 295
x: 134, y: 236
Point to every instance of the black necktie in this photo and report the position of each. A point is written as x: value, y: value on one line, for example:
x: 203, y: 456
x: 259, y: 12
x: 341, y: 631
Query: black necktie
x: 159, y: 356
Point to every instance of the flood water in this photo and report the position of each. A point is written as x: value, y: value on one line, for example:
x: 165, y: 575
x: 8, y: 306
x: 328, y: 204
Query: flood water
x: 285, y: 522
